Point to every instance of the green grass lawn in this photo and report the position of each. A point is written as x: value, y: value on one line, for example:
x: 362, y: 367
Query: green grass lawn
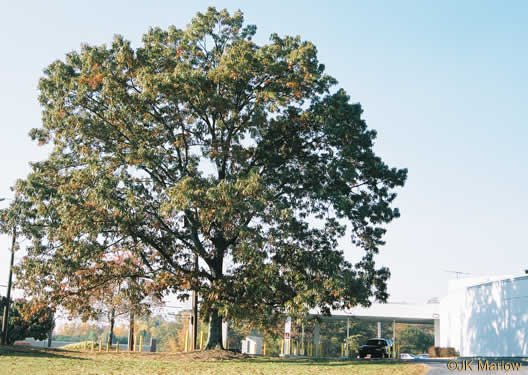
x: 25, y: 361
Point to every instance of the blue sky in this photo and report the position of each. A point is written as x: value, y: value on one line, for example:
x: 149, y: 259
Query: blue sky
x: 443, y: 83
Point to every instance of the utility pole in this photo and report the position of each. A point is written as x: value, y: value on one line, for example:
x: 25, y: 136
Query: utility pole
x: 194, y: 317
x: 193, y: 334
x: 5, y: 317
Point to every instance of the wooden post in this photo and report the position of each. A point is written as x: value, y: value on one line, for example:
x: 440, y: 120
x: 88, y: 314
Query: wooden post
x: 93, y: 345
x: 141, y: 343
x: 186, y: 348
x: 108, y: 346
x: 117, y: 346
x: 201, y: 340
x: 134, y: 343
x: 264, y: 349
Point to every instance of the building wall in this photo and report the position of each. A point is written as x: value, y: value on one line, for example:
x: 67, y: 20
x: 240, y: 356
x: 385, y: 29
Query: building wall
x: 450, y: 319
x: 252, y: 345
x: 488, y: 319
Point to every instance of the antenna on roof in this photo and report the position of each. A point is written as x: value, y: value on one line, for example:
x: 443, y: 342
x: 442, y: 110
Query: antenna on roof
x: 458, y: 273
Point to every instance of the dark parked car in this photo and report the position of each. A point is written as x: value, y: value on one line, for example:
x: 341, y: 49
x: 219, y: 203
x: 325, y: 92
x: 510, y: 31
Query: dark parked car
x: 377, y: 348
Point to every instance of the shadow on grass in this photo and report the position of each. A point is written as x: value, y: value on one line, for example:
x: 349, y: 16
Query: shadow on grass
x: 327, y: 362
x: 21, y: 351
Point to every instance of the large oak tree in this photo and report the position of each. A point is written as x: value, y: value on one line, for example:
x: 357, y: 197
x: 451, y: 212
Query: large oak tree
x: 201, y: 144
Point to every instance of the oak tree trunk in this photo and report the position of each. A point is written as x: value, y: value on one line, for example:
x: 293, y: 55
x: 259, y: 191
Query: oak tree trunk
x: 214, y: 338
x: 131, y: 333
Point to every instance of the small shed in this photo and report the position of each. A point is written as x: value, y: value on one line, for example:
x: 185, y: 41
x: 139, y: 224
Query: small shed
x: 252, y: 345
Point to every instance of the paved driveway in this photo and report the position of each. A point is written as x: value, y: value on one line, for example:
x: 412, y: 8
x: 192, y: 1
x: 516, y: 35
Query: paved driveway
x: 478, y: 366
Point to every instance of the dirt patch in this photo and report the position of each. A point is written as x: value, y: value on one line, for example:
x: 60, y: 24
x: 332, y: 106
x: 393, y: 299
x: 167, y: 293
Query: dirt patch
x: 199, y: 355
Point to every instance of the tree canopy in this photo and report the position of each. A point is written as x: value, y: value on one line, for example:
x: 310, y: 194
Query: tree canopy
x: 416, y: 339
x: 201, y: 144
x: 27, y: 318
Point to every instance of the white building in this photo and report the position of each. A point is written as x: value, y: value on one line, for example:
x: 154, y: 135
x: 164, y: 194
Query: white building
x: 252, y: 345
x: 486, y: 317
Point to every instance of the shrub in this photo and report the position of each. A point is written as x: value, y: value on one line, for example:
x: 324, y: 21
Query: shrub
x: 438, y: 352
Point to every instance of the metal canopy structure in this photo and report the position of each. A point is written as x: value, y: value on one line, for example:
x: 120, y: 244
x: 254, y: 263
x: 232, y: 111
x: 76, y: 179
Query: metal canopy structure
x: 397, y: 319
x: 389, y: 312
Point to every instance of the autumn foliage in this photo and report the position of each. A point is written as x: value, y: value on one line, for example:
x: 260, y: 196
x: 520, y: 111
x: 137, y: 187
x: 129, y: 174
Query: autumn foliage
x: 201, y: 144
x: 28, y: 319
